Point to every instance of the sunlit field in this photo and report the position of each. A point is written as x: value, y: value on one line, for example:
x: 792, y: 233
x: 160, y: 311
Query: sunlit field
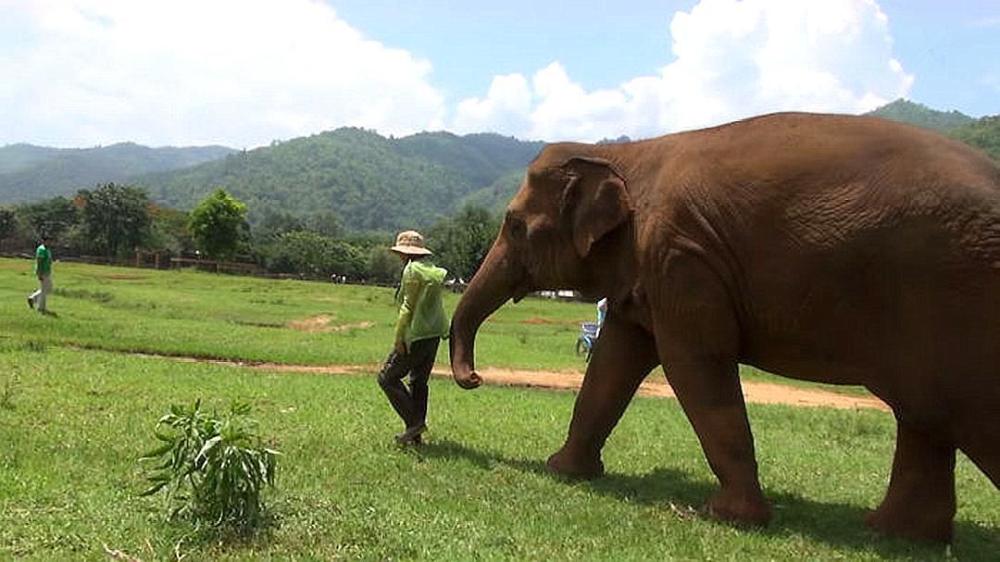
x: 76, y: 413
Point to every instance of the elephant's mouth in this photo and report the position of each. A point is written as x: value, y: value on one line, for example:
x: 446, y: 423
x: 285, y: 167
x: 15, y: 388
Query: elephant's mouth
x: 521, y: 291
x: 522, y: 287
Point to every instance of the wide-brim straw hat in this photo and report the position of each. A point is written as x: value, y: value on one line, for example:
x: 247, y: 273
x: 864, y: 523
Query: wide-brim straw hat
x: 411, y: 243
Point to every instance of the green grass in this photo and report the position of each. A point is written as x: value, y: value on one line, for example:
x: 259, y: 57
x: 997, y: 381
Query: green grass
x: 79, y: 419
x: 199, y: 314
x: 239, y: 318
x: 75, y: 413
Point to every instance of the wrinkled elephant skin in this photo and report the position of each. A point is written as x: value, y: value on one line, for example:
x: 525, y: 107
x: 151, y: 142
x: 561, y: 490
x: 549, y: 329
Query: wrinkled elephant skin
x: 847, y: 250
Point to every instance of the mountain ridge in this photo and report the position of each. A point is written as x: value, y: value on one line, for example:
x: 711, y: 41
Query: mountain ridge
x: 371, y: 182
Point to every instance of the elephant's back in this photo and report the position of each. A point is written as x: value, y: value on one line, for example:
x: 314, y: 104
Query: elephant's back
x: 852, y: 243
x: 807, y: 147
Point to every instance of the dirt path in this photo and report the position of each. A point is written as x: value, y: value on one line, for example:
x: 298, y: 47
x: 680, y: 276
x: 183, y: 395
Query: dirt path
x: 755, y: 392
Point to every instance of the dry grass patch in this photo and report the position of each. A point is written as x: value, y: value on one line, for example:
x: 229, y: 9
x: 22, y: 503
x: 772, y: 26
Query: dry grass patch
x: 321, y: 323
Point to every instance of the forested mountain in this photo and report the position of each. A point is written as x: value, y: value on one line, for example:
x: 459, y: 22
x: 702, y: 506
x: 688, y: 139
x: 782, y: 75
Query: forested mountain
x: 983, y: 133
x: 479, y: 158
x: 32, y: 172
x: 369, y: 181
x: 922, y: 116
x: 16, y: 157
x: 497, y: 195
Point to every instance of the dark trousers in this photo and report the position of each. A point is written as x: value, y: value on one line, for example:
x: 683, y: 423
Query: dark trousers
x: 410, y: 403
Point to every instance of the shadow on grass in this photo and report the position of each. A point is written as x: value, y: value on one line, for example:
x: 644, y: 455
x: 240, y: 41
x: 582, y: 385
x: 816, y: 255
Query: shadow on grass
x: 837, y: 524
x: 188, y: 537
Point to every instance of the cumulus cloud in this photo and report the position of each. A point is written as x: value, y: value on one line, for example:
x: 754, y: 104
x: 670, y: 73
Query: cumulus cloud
x: 732, y: 59
x: 238, y: 72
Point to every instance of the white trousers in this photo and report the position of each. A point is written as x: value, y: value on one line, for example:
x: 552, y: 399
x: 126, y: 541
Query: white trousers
x: 44, y: 288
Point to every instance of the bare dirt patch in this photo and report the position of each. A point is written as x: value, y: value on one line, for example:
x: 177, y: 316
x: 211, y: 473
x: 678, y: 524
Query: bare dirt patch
x: 321, y: 323
x: 537, y: 321
x: 753, y: 392
x: 314, y: 324
x: 355, y: 326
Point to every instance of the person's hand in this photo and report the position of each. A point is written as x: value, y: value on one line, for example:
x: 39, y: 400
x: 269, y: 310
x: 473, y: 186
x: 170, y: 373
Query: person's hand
x: 401, y: 347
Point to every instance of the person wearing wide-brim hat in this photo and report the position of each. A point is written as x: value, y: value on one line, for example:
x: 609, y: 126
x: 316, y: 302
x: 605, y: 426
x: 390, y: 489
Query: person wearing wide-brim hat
x: 421, y: 325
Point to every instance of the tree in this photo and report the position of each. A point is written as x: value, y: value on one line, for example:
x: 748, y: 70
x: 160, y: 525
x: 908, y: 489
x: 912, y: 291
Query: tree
x: 313, y: 254
x: 326, y: 223
x: 462, y: 242
x: 169, y: 230
x: 383, y: 267
x: 273, y: 223
x: 8, y: 222
x: 52, y: 217
x: 115, y: 218
x: 218, y: 224
x: 983, y: 134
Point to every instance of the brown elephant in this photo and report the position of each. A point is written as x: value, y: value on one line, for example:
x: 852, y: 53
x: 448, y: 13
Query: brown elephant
x: 839, y: 249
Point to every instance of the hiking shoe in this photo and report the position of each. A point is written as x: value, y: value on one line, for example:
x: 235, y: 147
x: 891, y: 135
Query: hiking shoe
x: 31, y: 304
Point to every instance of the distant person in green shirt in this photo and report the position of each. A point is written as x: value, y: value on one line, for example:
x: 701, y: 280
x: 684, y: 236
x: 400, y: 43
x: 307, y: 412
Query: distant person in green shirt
x: 43, y: 270
x: 421, y: 325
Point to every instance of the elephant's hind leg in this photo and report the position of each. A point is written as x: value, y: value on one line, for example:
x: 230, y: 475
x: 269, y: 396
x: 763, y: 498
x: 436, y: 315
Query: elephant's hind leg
x: 920, y: 502
x: 712, y: 399
x: 623, y: 356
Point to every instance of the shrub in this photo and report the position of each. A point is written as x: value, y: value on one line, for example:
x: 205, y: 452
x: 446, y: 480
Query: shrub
x: 213, y: 469
x: 313, y: 254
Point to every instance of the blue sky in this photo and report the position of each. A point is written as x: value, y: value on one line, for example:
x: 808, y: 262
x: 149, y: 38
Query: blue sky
x: 952, y: 47
x: 246, y: 72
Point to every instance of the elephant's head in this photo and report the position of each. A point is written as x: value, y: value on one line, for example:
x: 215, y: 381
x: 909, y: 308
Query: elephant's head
x: 569, y: 204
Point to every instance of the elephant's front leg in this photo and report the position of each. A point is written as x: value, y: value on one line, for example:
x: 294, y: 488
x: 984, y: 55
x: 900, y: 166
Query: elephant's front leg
x: 623, y: 356
x: 698, y: 339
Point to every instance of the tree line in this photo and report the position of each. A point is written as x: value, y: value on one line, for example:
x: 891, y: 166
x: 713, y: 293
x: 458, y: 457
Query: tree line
x: 115, y: 221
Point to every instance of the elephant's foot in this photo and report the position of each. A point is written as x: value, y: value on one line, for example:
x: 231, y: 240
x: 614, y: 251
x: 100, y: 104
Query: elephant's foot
x: 920, y: 501
x: 743, y: 508
x: 577, y: 466
x: 920, y: 524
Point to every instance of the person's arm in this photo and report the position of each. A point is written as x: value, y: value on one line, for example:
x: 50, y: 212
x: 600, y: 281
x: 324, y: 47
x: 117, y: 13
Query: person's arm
x: 410, y: 291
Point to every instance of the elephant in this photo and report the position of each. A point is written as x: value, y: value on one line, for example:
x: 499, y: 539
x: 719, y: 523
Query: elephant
x: 830, y: 248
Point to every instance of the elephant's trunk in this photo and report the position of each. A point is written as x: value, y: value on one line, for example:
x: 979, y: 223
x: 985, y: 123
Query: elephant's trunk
x: 496, y: 281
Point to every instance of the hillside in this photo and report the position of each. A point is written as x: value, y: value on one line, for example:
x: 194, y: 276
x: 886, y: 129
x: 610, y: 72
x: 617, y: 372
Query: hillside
x: 983, y: 134
x: 16, y: 157
x: 497, y: 195
x: 31, y: 172
x: 920, y: 115
x: 479, y: 158
x: 371, y: 182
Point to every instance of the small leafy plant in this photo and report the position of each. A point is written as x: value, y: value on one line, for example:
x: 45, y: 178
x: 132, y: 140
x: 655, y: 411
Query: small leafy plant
x: 213, y: 469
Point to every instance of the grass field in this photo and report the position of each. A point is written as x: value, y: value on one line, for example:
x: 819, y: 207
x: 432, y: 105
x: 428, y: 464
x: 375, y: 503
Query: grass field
x: 188, y: 313
x: 75, y: 414
x: 198, y: 314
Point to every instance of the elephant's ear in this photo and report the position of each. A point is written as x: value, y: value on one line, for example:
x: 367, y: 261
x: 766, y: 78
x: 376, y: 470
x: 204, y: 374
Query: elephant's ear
x: 595, y: 201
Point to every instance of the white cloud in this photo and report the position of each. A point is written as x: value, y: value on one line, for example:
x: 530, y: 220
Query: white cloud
x: 732, y: 59
x: 238, y: 72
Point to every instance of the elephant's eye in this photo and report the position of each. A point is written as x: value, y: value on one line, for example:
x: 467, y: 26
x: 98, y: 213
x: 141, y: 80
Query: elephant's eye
x: 516, y: 226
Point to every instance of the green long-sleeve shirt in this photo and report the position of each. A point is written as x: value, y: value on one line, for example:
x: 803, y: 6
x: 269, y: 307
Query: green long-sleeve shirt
x: 421, y: 312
